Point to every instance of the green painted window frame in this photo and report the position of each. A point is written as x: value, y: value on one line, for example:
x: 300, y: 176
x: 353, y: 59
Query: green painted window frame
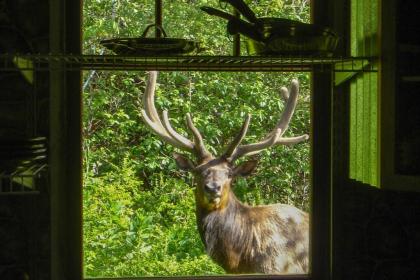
x: 372, y: 120
x: 364, y: 94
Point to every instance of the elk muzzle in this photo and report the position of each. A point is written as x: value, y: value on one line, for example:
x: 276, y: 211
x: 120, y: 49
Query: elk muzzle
x: 213, y: 192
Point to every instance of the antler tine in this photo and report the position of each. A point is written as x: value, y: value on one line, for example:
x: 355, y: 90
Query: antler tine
x: 172, y: 131
x: 149, y: 98
x: 255, y: 148
x: 275, y: 136
x: 198, y: 139
x: 291, y: 101
x: 151, y: 118
x: 238, y: 139
x: 285, y: 118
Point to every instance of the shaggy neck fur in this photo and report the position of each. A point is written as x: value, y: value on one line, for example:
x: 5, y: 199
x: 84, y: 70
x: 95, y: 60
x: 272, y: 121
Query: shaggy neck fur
x: 228, y: 234
x: 262, y: 239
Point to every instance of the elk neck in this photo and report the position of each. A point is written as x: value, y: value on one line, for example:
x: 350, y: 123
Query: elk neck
x: 227, y: 232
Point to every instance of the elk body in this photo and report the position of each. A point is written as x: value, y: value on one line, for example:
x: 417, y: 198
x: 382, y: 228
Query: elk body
x: 242, y: 239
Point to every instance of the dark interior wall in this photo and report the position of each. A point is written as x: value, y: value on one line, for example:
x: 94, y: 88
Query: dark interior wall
x: 23, y: 29
x: 377, y: 235
x: 24, y: 219
x: 24, y: 237
x: 377, y: 232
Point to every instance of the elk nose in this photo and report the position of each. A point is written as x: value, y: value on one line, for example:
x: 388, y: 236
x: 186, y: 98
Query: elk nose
x: 212, y: 188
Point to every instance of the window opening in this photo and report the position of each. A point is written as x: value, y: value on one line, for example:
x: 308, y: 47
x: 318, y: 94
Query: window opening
x: 139, y: 217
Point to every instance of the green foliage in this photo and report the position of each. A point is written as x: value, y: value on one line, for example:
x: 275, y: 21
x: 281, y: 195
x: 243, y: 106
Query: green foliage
x: 182, y: 19
x: 138, y: 207
x: 133, y: 230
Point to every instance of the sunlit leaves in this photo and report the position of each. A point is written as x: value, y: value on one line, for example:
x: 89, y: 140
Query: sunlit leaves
x: 133, y: 229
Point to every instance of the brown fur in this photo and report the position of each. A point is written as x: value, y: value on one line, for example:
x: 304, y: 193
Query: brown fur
x: 244, y: 239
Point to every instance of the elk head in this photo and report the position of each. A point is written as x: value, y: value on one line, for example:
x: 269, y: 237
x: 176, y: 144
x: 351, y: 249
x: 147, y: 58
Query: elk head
x: 215, y: 174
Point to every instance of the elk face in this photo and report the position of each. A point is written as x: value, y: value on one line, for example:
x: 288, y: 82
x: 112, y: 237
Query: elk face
x: 213, y: 183
x: 214, y: 178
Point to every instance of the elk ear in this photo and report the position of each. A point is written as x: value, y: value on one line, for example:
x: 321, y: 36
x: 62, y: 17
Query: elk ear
x: 183, y: 162
x: 245, y: 168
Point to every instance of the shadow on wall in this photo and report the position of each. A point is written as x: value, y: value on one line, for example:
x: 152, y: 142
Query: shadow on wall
x: 24, y: 219
x: 378, y: 235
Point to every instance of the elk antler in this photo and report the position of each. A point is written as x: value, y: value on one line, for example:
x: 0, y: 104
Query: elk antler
x: 235, y: 150
x: 164, y: 130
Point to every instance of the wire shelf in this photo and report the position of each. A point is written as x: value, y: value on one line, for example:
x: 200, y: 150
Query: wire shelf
x: 39, y: 62
x: 22, y: 165
x: 23, y: 180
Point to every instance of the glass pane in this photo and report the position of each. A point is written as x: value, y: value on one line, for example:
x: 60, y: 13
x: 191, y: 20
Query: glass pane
x: 139, y: 207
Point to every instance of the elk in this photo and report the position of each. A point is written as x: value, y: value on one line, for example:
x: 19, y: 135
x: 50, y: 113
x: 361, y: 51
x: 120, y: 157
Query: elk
x: 270, y: 239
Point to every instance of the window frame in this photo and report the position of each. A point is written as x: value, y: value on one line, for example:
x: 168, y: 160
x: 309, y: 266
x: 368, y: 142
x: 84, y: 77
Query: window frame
x: 66, y: 154
x: 389, y: 178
